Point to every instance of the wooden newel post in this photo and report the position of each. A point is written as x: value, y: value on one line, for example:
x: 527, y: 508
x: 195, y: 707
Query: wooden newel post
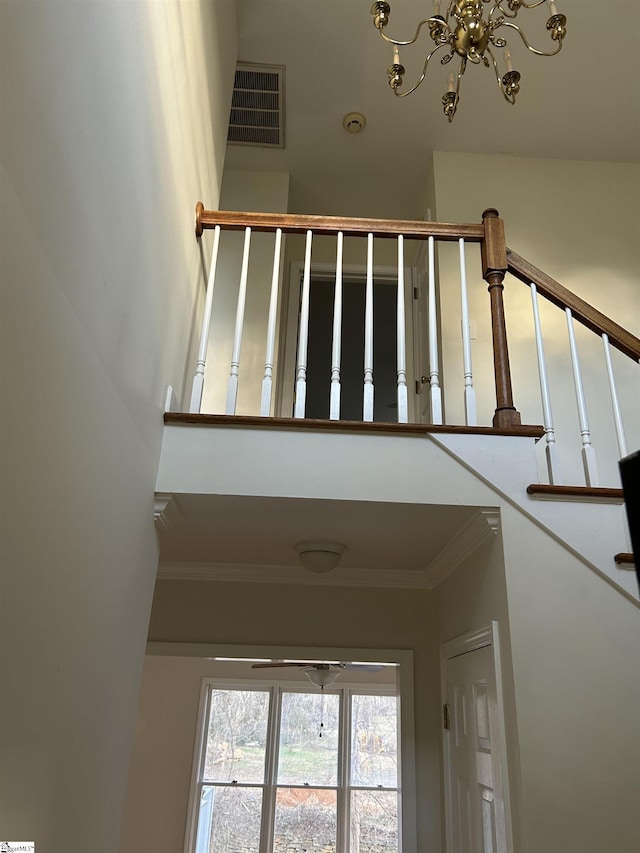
x: 494, y: 268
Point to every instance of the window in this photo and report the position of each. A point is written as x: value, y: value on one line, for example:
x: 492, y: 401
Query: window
x: 287, y: 770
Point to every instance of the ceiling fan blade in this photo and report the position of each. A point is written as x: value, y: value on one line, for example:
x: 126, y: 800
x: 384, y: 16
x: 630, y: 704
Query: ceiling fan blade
x: 305, y: 664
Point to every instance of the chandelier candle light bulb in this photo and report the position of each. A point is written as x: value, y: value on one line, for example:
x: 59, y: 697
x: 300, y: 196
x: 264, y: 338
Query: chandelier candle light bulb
x: 470, y: 32
x: 507, y: 59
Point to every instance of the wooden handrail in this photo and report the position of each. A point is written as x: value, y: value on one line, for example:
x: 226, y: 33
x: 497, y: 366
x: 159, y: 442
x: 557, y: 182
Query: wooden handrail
x: 581, y: 310
x: 181, y: 418
x: 350, y: 226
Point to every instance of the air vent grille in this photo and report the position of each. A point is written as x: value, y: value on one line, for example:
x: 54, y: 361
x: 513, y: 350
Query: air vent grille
x: 257, y: 106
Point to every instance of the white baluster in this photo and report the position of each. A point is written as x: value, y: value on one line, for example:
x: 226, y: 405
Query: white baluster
x: 334, y: 399
x: 303, y: 335
x: 265, y: 402
x: 469, y: 391
x: 367, y: 404
x: 232, y: 387
x: 198, y: 380
x: 617, y: 414
x: 551, y: 450
x: 403, y: 402
x: 588, y: 453
x: 434, y: 370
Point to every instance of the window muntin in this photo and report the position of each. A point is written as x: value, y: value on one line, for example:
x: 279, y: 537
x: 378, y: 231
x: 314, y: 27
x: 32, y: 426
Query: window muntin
x: 374, y: 821
x: 220, y: 829
x: 309, y: 738
x: 326, y: 772
x: 374, y: 741
x: 305, y: 819
x: 237, y: 736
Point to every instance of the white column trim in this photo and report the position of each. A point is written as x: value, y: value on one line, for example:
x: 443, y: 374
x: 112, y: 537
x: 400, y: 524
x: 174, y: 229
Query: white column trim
x: 166, y: 511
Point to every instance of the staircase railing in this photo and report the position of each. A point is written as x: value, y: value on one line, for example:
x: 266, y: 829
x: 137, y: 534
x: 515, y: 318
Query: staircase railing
x: 612, y: 335
x: 496, y: 259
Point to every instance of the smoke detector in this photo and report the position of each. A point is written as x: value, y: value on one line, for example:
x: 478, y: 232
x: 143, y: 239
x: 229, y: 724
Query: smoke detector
x: 354, y: 122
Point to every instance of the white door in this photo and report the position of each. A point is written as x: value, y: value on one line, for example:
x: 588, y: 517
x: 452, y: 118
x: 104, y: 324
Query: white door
x: 473, y: 753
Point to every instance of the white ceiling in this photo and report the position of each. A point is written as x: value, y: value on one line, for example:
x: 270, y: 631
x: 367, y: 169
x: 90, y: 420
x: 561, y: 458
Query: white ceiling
x: 247, y: 533
x: 582, y: 104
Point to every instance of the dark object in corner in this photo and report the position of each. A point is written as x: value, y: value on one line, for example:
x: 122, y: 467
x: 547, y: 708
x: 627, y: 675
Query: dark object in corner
x: 630, y: 476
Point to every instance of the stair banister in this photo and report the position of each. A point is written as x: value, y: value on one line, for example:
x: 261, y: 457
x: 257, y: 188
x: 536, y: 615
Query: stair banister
x: 267, y: 382
x: 553, y: 463
x: 198, y: 380
x: 584, y: 313
x: 494, y: 268
x: 497, y: 260
x: 294, y: 223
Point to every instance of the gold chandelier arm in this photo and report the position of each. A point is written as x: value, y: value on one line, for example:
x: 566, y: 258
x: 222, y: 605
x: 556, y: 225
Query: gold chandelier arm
x: 526, y: 43
x: 498, y: 8
x: 422, y: 76
x: 510, y: 99
x: 461, y: 70
x: 399, y: 43
x: 512, y: 13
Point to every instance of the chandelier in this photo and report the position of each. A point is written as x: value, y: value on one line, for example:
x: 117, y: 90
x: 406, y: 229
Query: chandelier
x: 466, y: 31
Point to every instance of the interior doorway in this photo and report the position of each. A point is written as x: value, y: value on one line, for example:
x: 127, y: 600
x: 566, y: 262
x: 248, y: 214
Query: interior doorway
x: 273, y: 736
x: 320, y: 339
x: 322, y: 291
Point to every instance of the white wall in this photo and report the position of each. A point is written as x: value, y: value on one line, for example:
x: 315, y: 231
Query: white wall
x: 578, y: 222
x: 574, y: 643
x: 114, y: 124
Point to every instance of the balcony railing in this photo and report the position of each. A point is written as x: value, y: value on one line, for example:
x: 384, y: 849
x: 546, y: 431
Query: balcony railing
x: 423, y: 239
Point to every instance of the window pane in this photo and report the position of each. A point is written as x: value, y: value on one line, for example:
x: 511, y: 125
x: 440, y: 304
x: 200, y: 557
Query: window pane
x: 237, y: 736
x: 309, y: 739
x: 305, y: 821
x: 374, y: 821
x: 229, y: 820
x: 374, y: 741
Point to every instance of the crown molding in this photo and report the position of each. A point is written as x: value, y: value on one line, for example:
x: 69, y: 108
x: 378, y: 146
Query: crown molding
x: 166, y: 511
x: 248, y: 573
x: 484, y: 524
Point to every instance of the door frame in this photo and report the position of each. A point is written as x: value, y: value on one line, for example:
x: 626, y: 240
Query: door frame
x: 289, y: 342
x: 488, y: 635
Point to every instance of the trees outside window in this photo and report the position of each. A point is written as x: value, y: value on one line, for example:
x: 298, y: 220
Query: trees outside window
x: 284, y: 770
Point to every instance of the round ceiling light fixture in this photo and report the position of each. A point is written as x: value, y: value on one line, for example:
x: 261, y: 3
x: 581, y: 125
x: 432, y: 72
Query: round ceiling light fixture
x: 321, y: 676
x: 354, y: 122
x: 320, y: 557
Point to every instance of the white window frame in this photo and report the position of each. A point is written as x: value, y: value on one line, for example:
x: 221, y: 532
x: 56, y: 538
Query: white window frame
x: 269, y: 785
x: 405, y: 689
